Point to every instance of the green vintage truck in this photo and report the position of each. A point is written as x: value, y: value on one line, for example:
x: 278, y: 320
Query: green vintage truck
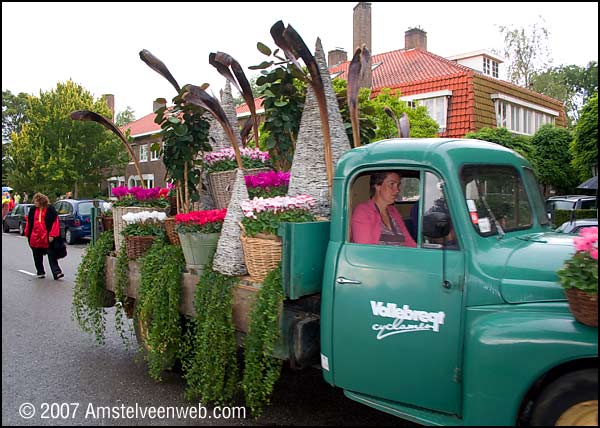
x: 470, y: 327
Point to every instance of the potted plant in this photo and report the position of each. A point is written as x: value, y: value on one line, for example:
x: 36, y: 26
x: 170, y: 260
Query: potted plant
x: 199, y: 233
x: 579, y: 277
x: 221, y: 165
x: 267, y: 184
x: 142, y: 229
x: 106, y: 217
x: 135, y: 199
x: 260, y: 243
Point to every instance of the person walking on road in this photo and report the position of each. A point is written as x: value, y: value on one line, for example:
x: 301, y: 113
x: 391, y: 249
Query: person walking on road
x: 41, y: 229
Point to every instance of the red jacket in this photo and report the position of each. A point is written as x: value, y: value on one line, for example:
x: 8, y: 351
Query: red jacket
x: 366, y: 224
x: 38, y: 235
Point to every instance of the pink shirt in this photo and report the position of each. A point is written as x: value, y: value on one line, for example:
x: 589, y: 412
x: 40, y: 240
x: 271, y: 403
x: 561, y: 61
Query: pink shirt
x: 366, y: 224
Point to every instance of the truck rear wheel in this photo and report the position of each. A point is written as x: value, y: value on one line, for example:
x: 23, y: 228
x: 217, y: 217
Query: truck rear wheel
x: 570, y: 400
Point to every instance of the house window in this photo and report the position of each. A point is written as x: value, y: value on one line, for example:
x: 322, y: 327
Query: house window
x: 490, y: 67
x: 155, y: 154
x: 144, y: 153
x: 134, y: 180
x: 436, y: 104
x: 519, y: 116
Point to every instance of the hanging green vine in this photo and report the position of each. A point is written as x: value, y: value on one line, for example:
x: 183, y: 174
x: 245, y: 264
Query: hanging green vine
x: 157, y: 306
x: 261, y: 368
x: 121, y: 299
x: 89, y: 291
x: 210, y: 351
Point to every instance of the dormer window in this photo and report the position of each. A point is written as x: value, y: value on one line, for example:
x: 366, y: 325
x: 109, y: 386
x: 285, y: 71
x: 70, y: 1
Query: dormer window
x: 490, y: 67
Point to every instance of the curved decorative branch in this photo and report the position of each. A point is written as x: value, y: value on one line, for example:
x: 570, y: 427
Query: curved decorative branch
x: 223, y: 62
x: 157, y: 65
x: 198, y: 96
x: 294, y: 47
x: 360, y: 60
x: 86, y: 115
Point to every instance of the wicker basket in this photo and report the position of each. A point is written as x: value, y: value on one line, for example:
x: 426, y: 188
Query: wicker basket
x: 262, y: 254
x: 170, y: 229
x: 584, y: 306
x: 137, y: 246
x: 221, y: 185
x: 119, y: 223
x: 108, y: 223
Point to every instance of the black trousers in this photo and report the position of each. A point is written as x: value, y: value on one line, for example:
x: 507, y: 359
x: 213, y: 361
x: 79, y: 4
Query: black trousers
x: 38, y: 259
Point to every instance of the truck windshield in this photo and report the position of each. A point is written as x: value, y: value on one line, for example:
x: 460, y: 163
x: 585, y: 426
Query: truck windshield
x: 496, y: 199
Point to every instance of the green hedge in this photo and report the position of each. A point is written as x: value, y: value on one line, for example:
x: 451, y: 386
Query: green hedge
x: 560, y: 216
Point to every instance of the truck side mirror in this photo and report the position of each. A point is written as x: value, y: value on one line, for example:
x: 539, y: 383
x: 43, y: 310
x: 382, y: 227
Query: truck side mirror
x: 436, y: 225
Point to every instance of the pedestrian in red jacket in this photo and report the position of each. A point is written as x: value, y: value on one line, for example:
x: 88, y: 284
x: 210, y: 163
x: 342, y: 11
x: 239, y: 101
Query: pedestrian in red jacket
x: 41, y: 229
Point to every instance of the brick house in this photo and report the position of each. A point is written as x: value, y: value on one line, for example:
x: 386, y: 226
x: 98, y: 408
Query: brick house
x: 463, y: 93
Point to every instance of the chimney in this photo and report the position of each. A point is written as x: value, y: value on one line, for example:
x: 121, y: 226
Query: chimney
x: 158, y: 103
x: 361, y: 28
x: 336, y: 57
x: 110, y: 101
x: 361, y: 31
x: 415, y: 38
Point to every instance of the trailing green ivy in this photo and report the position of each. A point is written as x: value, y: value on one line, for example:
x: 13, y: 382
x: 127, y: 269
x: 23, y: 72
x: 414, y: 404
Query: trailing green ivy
x: 121, y: 299
x: 261, y: 368
x: 89, y: 291
x: 210, y: 351
x: 158, y: 302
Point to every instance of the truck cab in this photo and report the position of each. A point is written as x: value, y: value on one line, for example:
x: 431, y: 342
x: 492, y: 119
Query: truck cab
x: 471, y: 325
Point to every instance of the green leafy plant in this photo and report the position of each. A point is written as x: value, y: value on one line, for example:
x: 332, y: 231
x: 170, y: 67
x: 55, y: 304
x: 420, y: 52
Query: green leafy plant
x: 210, y: 358
x: 121, y: 299
x: 157, y: 306
x: 581, y: 270
x: 89, y: 291
x: 261, y: 368
x: 144, y: 229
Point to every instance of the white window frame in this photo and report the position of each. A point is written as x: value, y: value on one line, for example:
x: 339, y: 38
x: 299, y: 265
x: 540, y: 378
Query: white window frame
x: 134, y: 180
x: 143, y: 152
x: 521, y: 117
x: 437, y: 108
x: 155, y: 154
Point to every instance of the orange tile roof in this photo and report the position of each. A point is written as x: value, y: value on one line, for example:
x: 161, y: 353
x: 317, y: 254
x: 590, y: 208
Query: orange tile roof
x: 406, y: 66
x: 243, y: 109
x: 142, y: 126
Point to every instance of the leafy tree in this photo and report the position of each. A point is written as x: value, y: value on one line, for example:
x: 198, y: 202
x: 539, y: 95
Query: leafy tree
x: 527, y: 51
x: 519, y: 143
x: 53, y: 153
x: 584, y: 147
x: 13, y: 117
x: 421, y: 125
x: 375, y: 124
x: 13, y: 113
x: 124, y: 117
x: 571, y: 84
x: 551, y: 158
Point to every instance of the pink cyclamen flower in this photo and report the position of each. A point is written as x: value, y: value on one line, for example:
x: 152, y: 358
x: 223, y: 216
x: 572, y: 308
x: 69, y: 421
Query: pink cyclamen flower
x: 587, y: 241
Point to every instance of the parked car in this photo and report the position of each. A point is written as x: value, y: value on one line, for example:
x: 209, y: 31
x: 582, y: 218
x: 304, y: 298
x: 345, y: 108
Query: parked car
x: 576, y: 225
x: 569, y: 203
x: 16, y: 219
x: 75, y: 218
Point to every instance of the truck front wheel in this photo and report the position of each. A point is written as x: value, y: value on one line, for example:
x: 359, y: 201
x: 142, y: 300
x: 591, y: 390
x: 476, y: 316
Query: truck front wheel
x: 570, y: 400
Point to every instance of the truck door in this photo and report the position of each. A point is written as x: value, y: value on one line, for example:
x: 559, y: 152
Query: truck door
x: 397, y: 310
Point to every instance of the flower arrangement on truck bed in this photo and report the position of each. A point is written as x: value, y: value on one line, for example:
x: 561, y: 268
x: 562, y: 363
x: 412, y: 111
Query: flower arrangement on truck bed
x: 263, y: 215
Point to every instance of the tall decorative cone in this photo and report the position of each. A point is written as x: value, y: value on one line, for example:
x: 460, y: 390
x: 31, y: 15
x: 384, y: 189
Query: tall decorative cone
x: 229, y: 108
x: 216, y: 135
x: 308, y: 173
x: 229, y: 256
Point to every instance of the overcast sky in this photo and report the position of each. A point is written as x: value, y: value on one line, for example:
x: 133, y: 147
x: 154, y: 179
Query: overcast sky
x: 97, y: 44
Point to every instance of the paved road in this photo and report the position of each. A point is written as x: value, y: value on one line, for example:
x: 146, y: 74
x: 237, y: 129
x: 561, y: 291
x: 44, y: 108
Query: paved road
x: 47, y: 359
